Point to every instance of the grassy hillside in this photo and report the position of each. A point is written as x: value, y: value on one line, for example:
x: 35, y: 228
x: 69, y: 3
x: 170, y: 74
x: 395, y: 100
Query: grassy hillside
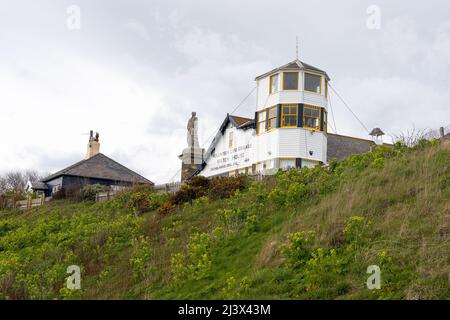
x: 308, y: 235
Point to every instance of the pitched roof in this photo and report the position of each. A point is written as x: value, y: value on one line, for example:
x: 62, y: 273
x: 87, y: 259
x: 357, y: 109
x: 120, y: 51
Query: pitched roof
x: 239, y: 121
x: 38, y: 185
x: 295, y: 65
x: 340, y: 147
x: 100, y: 167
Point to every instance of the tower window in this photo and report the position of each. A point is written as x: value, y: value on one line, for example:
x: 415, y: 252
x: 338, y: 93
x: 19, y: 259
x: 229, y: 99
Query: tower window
x: 289, y: 113
x: 261, y: 122
x: 273, y: 86
x: 290, y: 80
x: 311, y: 117
x: 272, y: 118
x: 313, y: 83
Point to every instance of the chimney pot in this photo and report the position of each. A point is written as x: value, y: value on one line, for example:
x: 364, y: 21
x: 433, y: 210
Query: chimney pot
x: 93, y: 146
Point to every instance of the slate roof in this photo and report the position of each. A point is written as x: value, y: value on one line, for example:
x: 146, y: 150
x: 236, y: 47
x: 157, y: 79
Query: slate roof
x: 38, y: 185
x: 341, y: 147
x: 295, y: 65
x: 100, y: 167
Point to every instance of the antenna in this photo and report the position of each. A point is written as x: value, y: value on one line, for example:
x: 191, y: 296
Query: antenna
x: 296, y: 47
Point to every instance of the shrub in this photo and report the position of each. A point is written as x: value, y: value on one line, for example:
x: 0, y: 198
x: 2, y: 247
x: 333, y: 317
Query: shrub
x: 139, y: 261
x: 166, y: 208
x: 323, y: 270
x: 142, y: 199
x: 89, y: 192
x: 234, y: 289
x: 298, y: 249
x: 225, y: 187
x: 195, y: 263
x: 201, y: 187
x: 357, y: 231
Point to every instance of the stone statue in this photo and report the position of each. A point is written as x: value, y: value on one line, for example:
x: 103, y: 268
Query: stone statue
x: 192, y: 135
x: 192, y: 156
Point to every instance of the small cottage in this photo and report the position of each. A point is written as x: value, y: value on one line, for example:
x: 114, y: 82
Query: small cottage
x: 96, y: 168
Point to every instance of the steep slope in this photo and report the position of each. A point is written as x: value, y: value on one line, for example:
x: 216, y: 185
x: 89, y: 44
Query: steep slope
x: 308, y: 235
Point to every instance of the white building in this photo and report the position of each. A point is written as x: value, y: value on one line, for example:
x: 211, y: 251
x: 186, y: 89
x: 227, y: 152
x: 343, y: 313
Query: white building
x: 289, y: 128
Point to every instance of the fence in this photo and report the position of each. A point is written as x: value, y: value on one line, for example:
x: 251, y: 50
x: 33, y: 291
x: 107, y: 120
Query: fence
x: 167, y: 187
x: 105, y: 196
x: 31, y: 203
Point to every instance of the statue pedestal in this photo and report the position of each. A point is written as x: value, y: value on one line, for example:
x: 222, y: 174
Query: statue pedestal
x: 191, y: 161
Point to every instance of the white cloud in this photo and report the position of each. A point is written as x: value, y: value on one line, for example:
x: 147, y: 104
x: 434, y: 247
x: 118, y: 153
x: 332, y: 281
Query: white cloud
x: 138, y: 28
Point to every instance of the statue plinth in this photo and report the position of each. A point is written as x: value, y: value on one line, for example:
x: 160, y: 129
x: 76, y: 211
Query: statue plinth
x: 191, y: 161
x: 192, y: 155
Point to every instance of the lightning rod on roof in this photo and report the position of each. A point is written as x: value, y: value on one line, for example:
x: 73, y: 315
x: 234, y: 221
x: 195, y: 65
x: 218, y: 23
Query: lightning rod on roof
x: 296, y: 47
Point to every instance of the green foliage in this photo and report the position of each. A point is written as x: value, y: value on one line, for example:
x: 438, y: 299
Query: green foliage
x: 385, y: 208
x: 140, y: 260
x: 141, y: 199
x: 195, y: 263
x: 357, y: 231
x: 322, y: 273
x: 88, y: 192
x: 299, y: 248
x: 235, y: 290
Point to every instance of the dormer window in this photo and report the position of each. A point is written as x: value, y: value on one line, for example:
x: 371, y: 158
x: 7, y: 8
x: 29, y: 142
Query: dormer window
x: 273, y: 87
x: 313, y: 83
x: 290, y: 80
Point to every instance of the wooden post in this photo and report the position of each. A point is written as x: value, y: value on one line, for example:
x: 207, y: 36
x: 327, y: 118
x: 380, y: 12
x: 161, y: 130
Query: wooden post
x: 29, y: 201
x: 441, y: 133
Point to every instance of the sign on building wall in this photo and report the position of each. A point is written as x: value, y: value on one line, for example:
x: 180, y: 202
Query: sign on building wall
x: 230, y: 159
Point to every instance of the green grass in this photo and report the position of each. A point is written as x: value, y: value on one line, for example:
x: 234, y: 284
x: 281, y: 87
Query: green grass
x: 240, y: 247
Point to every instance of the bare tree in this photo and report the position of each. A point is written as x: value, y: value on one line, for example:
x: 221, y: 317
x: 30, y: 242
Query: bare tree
x: 411, y: 137
x: 16, y: 181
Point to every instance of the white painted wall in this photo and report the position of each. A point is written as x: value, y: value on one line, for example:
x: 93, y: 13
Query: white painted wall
x: 249, y: 149
x: 226, y: 159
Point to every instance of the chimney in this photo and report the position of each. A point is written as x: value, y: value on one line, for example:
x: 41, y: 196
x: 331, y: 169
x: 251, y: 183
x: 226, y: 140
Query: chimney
x: 93, y: 146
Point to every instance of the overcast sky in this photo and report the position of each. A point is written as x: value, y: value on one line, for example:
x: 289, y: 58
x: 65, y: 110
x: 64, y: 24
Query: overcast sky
x: 136, y: 69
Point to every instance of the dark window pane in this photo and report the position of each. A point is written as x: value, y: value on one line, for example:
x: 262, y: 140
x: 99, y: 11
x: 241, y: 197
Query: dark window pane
x: 290, y: 81
x: 293, y: 109
x: 312, y: 82
x: 307, y: 112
